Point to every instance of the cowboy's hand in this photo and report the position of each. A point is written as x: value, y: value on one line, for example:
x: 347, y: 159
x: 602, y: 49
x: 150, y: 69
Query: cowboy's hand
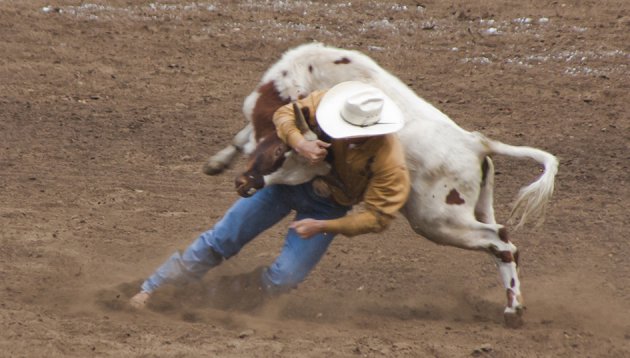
x: 308, y: 227
x: 315, y: 151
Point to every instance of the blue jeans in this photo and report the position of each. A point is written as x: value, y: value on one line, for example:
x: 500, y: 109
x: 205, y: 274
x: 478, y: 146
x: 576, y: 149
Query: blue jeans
x: 247, y: 218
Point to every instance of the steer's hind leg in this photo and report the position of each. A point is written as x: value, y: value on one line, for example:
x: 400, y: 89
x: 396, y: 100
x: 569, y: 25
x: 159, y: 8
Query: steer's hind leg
x: 494, y: 241
x: 507, y: 261
x: 223, y: 158
x: 506, y: 257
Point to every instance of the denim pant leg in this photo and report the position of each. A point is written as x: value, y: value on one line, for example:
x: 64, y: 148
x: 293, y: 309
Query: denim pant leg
x: 242, y: 222
x: 299, y: 256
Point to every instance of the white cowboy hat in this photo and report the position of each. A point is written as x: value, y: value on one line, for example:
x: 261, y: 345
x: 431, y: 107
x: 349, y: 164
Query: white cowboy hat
x: 355, y: 109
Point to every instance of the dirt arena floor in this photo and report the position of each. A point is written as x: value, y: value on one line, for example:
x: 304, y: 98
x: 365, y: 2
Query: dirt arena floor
x: 109, y: 109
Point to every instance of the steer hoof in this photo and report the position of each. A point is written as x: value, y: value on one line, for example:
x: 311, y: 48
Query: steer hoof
x: 513, y: 317
x: 213, y: 168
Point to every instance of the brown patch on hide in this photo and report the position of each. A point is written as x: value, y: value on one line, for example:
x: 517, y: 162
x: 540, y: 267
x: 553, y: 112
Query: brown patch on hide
x: 504, y: 256
x: 266, y: 105
x: 503, y: 235
x: 510, y: 297
x: 310, y: 68
x: 453, y: 198
x: 512, y: 283
x: 265, y: 159
x: 342, y: 61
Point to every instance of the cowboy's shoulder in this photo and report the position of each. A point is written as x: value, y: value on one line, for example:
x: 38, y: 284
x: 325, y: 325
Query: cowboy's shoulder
x: 391, y: 145
x: 316, y: 97
x: 390, y: 151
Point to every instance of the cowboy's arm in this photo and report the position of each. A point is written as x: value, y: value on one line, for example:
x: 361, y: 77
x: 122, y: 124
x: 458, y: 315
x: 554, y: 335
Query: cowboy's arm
x: 284, y: 120
x: 386, y: 193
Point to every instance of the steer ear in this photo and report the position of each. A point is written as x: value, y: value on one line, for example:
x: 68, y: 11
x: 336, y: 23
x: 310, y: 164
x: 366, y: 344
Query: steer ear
x: 300, y: 121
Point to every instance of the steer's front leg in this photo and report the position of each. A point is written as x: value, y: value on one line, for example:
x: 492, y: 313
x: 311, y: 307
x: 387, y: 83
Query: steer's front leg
x: 223, y: 158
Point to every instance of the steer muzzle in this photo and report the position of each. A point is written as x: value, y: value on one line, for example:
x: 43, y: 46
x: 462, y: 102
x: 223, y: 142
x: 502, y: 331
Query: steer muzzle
x: 247, y: 184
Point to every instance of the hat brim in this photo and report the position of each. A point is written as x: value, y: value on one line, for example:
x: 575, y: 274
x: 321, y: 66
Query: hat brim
x: 329, y: 113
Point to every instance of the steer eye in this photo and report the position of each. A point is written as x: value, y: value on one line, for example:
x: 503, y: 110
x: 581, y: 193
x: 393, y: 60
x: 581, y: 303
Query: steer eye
x: 279, y: 152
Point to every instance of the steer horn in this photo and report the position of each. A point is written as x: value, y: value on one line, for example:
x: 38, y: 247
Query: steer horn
x: 300, y: 121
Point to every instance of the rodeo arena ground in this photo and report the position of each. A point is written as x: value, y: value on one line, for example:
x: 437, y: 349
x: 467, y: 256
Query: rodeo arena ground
x: 110, y: 111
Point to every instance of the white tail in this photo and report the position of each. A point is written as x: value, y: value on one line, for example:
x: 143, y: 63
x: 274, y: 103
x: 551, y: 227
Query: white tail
x: 532, y: 199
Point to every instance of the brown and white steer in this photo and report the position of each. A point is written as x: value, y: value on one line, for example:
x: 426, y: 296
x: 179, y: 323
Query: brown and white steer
x: 452, y: 174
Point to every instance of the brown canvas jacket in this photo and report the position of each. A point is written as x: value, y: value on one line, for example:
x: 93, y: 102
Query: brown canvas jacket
x: 373, y: 172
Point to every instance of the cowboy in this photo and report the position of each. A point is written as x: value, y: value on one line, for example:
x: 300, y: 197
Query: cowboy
x: 369, y: 166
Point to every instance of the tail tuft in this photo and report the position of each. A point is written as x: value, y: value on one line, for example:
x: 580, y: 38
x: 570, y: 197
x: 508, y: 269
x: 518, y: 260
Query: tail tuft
x: 531, y: 202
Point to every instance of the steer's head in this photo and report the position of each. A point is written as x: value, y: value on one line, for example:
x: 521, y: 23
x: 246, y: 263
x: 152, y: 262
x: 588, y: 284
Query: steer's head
x: 267, y: 158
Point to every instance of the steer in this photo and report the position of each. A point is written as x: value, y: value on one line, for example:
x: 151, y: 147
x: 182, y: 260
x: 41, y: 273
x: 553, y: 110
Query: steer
x: 452, y: 175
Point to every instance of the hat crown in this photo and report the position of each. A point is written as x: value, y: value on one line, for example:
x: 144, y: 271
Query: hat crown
x: 364, y: 108
x: 356, y: 109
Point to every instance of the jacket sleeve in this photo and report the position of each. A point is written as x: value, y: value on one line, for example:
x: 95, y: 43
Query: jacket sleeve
x: 284, y: 118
